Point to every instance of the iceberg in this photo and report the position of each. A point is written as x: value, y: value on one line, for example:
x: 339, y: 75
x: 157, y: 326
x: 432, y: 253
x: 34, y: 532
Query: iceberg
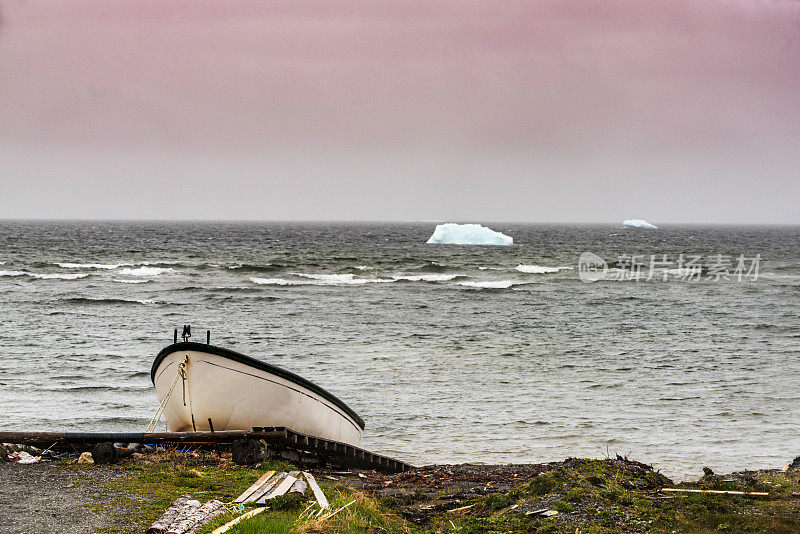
x: 468, y: 234
x: 637, y: 223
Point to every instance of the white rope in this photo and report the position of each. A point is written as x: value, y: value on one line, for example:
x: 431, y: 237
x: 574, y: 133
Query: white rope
x: 160, y: 410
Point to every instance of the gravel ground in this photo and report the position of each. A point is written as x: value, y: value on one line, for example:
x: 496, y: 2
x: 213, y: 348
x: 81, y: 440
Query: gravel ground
x: 43, y: 497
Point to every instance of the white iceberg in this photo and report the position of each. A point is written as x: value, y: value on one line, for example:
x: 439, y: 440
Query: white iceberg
x: 637, y: 223
x: 468, y: 234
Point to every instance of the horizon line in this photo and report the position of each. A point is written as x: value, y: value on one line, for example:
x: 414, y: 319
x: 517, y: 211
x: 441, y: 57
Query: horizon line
x: 382, y: 221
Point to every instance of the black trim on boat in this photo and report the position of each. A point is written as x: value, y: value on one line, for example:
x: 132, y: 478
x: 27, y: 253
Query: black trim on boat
x: 257, y: 364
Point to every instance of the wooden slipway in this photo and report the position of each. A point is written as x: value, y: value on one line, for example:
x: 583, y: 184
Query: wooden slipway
x: 279, y: 438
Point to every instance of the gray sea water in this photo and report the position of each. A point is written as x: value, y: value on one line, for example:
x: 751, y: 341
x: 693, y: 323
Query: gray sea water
x: 450, y: 353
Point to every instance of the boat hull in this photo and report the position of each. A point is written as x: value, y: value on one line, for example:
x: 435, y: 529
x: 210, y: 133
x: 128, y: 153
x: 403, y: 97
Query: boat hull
x: 238, y: 393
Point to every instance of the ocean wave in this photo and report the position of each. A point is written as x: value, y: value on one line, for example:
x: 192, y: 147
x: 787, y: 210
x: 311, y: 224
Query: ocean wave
x: 146, y: 271
x: 277, y: 282
x: 57, y: 276
x: 12, y: 273
x: 433, y: 267
x: 125, y: 281
x: 493, y: 284
x: 107, y: 266
x: 256, y: 268
x: 320, y: 280
x: 233, y: 289
x: 428, y: 277
x: 341, y: 279
x: 539, y: 269
x: 100, y: 301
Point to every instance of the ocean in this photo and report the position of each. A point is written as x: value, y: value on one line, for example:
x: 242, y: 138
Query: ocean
x: 450, y: 353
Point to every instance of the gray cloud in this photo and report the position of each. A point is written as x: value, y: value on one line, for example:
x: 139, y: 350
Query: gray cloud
x: 539, y: 111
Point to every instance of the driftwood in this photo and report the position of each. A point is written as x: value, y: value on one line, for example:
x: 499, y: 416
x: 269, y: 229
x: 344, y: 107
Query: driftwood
x: 189, y: 507
x: 213, y: 515
x: 321, y: 499
x: 227, y: 526
x: 268, y: 486
x: 160, y: 526
x: 281, y: 488
x: 195, y: 516
x: 257, y: 484
x: 300, y: 486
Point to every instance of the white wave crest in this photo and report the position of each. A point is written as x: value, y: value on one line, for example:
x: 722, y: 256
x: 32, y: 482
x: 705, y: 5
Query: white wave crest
x: 107, y: 266
x: 539, y: 269
x: 12, y: 273
x: 57, y: 276
x: 320, y: 280
x: 341, y: 279
x: 427, y: 277
x: 492, y: 284
x: 127, y: 281
x: 277, y: 282
x: 146, y: 271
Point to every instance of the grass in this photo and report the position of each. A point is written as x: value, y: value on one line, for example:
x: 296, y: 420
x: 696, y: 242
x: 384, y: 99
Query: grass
x: 592, y: 496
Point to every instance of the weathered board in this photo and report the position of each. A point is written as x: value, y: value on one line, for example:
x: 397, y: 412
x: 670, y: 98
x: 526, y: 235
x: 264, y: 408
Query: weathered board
x: 257, y: 484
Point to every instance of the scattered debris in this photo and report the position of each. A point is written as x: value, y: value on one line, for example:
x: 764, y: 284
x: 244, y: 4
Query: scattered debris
x: 252, y: 489
x: 462, y: 508
x: 86, y: 458
x: 539, y: 512
x: 321, y: 499
x: 729, y: 492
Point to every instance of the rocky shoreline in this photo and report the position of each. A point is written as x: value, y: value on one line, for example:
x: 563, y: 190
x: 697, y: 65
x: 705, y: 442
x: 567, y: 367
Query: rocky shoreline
x: 574, y: 495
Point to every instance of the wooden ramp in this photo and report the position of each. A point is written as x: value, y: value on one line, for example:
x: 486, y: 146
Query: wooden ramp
x: 280, y: 439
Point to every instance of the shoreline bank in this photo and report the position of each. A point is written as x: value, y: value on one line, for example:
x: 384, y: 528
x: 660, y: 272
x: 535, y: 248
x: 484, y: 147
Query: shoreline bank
x: 573, y: 495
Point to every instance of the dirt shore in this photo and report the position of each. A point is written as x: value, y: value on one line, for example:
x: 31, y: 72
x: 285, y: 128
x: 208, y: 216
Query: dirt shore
x: 580, y: 495
x: 48, y: 497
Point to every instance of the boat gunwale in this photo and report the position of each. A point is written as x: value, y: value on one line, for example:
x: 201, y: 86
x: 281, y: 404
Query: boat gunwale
x: 257, y: 364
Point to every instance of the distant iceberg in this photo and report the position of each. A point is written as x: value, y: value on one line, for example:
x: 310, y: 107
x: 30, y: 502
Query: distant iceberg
x: 468, y: 234
x: 637, y: 223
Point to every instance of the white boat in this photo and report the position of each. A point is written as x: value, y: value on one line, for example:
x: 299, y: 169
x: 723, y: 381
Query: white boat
x: 212, y: 388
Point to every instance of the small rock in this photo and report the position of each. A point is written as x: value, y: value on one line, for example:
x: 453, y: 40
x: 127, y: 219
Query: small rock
x: 794, y: 466
x: 86, y: 458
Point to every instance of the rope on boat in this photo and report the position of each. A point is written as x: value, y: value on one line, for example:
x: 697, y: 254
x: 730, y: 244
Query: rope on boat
x: 160, y: 410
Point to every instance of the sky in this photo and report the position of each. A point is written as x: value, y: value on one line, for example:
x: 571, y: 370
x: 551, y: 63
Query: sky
x: 461, y: 111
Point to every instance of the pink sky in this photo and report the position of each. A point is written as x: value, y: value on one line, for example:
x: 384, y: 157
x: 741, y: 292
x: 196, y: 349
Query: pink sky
x: 539, y: 111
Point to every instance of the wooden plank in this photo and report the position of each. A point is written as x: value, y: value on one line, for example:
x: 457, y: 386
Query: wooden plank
x: 300, y: 486
x: 257, y: 484
x: 312, y: 483
x: 266, y: 487
x: 281, y: 489
x: 227, y: 526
